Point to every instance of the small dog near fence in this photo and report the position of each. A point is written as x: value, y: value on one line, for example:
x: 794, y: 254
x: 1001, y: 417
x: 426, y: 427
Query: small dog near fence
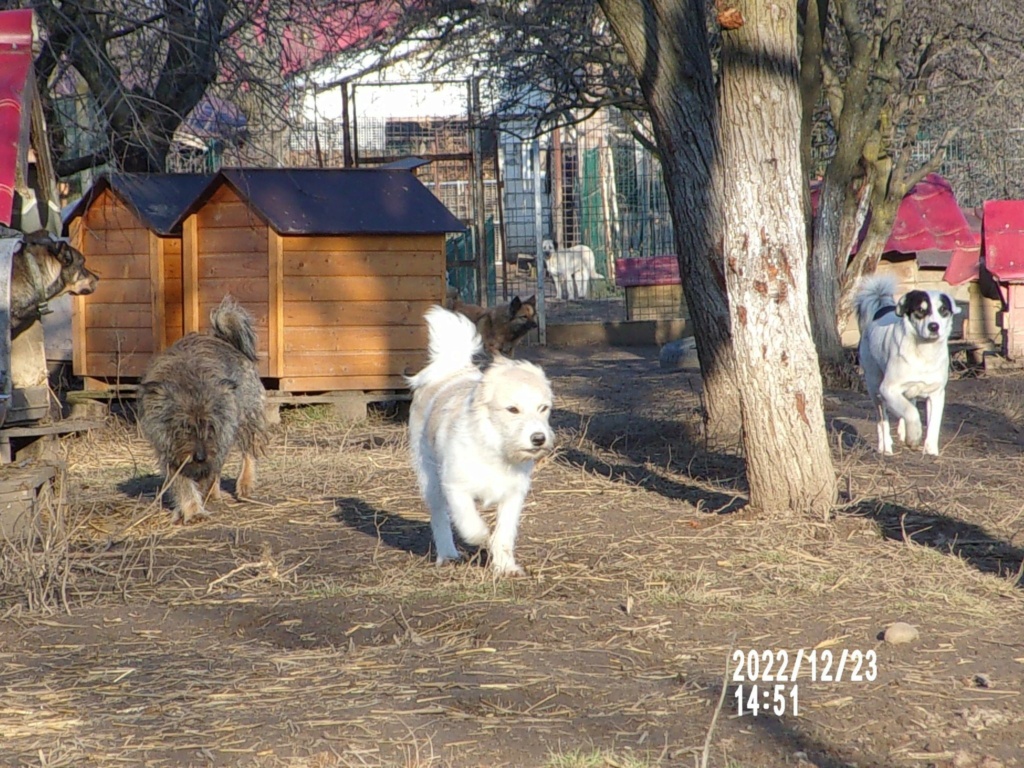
x: 904, y: 351
x: 570, y: 267
x: 475, y: 436
x: 200, y: 397
x: 43, y: 268
x: 504, y: 326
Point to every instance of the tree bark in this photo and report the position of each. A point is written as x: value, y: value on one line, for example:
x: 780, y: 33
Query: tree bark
x: 666, y: 45
x: 789, y: 464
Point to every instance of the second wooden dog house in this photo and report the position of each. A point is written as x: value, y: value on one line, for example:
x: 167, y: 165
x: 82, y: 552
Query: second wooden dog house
x: 337, y: 266
x: 128, y: 228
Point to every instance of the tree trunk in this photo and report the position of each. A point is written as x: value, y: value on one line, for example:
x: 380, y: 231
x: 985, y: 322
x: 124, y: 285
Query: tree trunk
x: 825, y: 269
x: 856, y: 110
x: 789, y: 465
x: 883, y: 216
x: 667, y: 47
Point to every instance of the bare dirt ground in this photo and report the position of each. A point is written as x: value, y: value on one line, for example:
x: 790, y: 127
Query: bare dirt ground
x: 311, y: 628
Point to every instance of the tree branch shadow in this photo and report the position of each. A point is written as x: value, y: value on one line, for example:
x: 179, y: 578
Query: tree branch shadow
x: 967, y: 541
x: 657, y: 455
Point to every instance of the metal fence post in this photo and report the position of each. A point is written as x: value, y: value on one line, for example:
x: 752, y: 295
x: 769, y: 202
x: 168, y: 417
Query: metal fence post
x: 538, y: 228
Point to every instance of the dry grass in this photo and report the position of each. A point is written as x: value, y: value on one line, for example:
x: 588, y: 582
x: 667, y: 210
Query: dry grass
x: 309, y: 628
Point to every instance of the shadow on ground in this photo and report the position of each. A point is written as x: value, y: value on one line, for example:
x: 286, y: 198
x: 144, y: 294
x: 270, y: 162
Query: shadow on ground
x: 392, y: 530
x: 968, y: 541
x: 658, y: 455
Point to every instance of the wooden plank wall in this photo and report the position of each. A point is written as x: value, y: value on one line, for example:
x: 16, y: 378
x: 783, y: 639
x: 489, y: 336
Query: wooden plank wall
x: 231, y: 246
x: 173, y: 310
x: 115, y: 323
x: 353, y: 309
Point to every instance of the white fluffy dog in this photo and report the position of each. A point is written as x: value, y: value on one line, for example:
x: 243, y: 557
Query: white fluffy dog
x: 904, y: 352
x: 570, y: 267
x: 475, y: 436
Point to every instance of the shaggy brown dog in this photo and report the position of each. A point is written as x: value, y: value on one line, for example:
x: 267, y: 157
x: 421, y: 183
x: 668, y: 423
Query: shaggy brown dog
x: 44, y: 268
x: 503, y: 326
x: 200, y: 397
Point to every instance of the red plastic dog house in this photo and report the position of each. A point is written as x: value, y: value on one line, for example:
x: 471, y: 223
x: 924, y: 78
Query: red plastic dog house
x: 1002, y: 258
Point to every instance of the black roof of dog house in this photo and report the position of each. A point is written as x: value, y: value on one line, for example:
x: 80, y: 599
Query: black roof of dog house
x: 335, y: 201
x: 158, y: 199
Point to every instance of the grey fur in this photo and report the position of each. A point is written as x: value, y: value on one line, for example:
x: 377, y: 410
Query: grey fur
x: 232, y: 323
x: 43, y: 268
x: 200, y: 397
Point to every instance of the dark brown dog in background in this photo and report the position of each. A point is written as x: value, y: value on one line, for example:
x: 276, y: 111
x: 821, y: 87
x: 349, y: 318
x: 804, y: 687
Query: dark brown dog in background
x: 503, y: 326
x: 199, y: 397
x: 43, y: 268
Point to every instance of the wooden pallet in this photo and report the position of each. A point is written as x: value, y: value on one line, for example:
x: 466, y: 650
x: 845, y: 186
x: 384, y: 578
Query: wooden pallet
x: 28, y: 433
x: 23, y: 488
x: 346, y: 404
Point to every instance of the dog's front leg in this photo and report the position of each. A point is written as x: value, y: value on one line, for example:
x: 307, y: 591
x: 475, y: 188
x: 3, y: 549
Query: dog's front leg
x: 186, y: 501
x: 503, y: 541
x: 935, y: 404
x: 470, y: 526
x: 905, y: 409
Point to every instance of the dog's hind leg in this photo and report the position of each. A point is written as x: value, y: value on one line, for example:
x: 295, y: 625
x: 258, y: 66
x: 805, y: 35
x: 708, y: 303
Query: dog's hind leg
x: 503, y: 541
x: 884, y: 433
x: 246, y: 482
x: 440, y: 524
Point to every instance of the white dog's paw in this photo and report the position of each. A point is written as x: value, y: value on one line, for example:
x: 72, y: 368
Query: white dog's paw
x: 503, y: 562
x: 510, y: 569
x: 915, y: 434
x: 931, y: 450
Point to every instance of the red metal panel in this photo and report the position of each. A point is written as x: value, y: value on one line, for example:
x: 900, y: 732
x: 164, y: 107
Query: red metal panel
x: 15, y: 69
x: 655, y: 270
x: 964, y: 265
x: 1004, y: 239
x: 929, y: 218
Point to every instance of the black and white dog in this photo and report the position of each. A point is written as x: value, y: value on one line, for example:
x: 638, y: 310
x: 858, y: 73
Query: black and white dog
x: 904, y: 352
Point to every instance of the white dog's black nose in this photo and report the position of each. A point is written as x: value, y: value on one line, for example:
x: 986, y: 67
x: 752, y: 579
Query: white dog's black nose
x: 538, y: 439
x: 933, y: 327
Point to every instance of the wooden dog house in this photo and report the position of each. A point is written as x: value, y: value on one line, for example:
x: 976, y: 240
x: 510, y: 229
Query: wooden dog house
x: 337, y: 266
x: 128, y: 227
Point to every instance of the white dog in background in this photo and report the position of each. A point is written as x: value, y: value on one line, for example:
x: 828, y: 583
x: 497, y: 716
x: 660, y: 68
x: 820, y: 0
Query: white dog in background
x: 570, y: 267
x: 904, y: 351
x: 475, y: 436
